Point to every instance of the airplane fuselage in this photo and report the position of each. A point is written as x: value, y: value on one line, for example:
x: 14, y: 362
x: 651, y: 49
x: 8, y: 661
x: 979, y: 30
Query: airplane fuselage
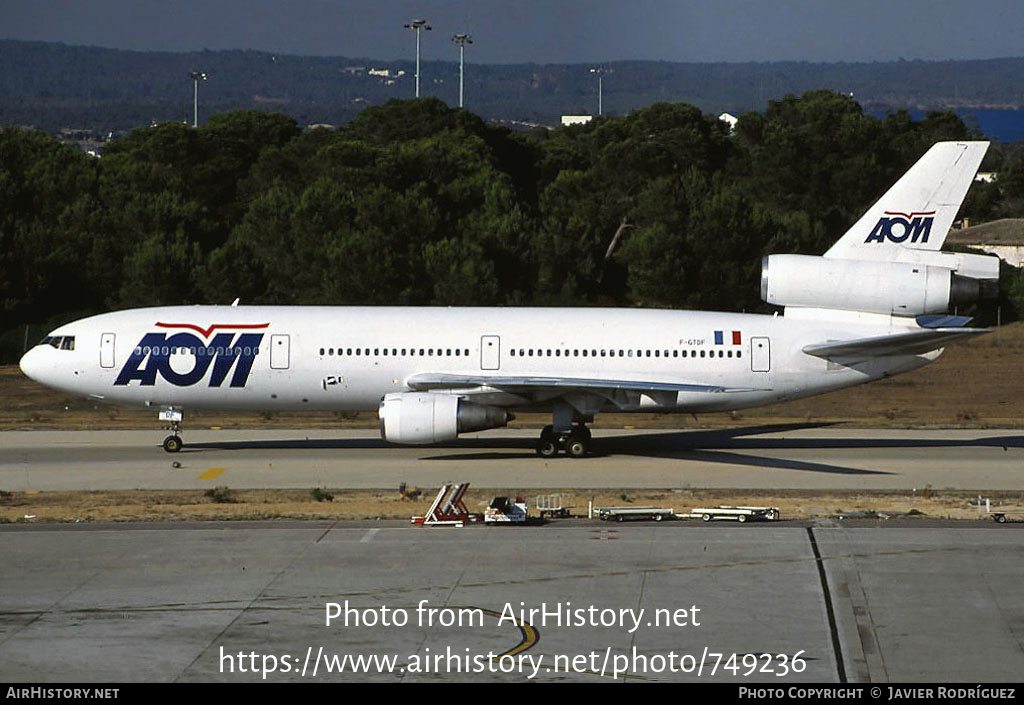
x: 271, y: 358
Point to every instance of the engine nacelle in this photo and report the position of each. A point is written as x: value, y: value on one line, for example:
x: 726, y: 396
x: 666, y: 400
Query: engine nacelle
x: 426, y: 417
x: 897, y: 288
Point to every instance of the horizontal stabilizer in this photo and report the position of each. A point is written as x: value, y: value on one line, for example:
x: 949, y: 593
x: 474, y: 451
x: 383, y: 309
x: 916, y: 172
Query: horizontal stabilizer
x: 915, y: 342
x: 423, y: 382
x: 942, y: 321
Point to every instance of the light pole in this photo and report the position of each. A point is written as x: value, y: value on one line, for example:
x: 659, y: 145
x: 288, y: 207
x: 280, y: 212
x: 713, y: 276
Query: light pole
x: 600, y: 89
x: 462, y: 40
x: 196, y: 76
x: 418, y: 25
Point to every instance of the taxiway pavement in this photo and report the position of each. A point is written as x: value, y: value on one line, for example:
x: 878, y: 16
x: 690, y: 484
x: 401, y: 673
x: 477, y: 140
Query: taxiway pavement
x: 805, y: 456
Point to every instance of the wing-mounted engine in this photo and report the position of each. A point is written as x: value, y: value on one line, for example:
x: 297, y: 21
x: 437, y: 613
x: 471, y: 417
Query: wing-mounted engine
x: 428, y: 417
x: 933, y: 283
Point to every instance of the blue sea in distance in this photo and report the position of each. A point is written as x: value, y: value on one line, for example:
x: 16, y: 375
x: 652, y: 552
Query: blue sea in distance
x: 1003, y: 125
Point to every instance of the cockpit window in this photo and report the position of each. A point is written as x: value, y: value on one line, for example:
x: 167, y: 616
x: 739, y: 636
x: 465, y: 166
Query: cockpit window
x: 60, y: 342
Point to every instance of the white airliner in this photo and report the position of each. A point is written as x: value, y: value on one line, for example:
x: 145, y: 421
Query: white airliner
x: 874, y: 305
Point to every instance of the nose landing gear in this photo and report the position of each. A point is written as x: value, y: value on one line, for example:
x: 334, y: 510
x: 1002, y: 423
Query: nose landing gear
x: 173, y: 443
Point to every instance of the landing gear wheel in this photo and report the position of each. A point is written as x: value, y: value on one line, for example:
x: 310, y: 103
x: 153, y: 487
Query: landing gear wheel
x: 705, y: 517
x: 741, y: 518
x: 547, y: 447
x: 172, y: 444
x: 576, y: 446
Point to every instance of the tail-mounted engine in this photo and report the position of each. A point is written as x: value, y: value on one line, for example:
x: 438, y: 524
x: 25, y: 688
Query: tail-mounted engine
x: 934, y: 284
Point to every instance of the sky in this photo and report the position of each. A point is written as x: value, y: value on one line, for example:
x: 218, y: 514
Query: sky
x: 539, y: 31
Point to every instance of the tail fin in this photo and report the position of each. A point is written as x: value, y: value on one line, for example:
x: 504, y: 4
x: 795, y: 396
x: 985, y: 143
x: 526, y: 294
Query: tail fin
x: 917, y: 212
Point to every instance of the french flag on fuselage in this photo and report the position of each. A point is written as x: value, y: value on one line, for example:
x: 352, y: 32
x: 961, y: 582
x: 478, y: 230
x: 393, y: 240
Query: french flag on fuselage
x: 737, y: 339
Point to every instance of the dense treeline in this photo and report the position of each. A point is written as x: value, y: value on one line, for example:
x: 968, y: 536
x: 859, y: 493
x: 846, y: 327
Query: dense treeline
x: 416, y: 203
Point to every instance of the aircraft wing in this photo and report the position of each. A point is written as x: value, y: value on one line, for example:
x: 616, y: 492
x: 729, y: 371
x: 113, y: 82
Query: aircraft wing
x: 423, y: 382
x: 913, y: 342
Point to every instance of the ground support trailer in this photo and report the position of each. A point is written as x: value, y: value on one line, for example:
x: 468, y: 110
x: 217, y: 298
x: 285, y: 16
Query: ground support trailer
x: 634, y: 513
x: 740, y: 514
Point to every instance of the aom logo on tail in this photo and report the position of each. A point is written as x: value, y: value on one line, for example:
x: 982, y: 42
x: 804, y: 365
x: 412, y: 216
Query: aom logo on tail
x: 183, y: 359
x: 900, y: 227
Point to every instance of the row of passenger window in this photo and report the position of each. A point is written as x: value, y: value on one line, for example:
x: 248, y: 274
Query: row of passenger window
x: 530, y: 352
x: 396, y: 352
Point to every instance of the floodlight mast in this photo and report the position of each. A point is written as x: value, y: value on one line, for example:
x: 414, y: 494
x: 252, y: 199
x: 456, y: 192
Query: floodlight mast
x: 196, y: 76
x: 418, y: 25
x: 600, y: 89
x: 462, y: 40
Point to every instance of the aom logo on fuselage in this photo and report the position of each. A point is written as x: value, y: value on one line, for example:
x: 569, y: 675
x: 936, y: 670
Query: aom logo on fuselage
x: 899, y: 227
x: 193, y: 356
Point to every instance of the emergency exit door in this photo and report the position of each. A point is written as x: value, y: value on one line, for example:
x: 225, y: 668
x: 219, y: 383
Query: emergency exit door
x: 107, y: 350
x: 280, y: 352
x: 760, y: 355
x: 490, y: 352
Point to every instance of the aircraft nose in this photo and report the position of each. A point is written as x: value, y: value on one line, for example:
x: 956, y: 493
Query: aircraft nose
x: 30, y: 364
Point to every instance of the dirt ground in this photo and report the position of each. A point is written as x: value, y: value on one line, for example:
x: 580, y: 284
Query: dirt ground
x: 223, y: 503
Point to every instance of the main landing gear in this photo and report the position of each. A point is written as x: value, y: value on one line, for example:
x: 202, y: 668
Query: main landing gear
x: 575, y: 441
x: 173, y: 443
